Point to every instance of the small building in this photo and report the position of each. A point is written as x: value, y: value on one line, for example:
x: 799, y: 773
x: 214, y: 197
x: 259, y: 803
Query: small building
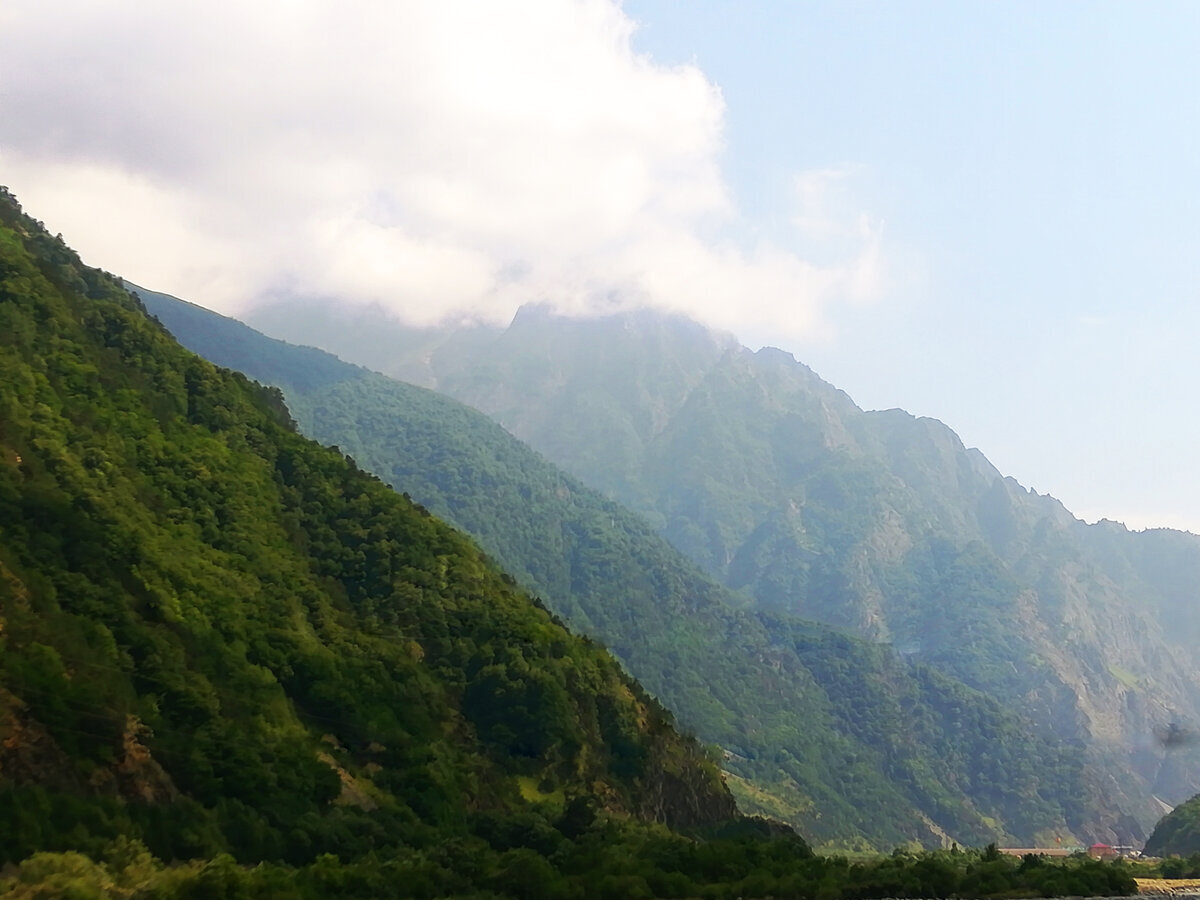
x: 1103, y: 851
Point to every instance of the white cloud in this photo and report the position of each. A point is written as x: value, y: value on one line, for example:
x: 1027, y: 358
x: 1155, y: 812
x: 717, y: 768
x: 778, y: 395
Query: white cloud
x: 429, y: 157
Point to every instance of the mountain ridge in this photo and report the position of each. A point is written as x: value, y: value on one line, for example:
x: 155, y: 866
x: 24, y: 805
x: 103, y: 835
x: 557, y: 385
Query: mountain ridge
x: 779, y: 486
x: 557, y: 537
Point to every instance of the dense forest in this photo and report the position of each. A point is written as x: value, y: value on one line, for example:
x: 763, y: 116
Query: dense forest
x: 854, y: 744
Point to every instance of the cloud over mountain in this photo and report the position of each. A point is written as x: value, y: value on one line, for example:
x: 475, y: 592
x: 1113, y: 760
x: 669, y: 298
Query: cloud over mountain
x: 449, y: 159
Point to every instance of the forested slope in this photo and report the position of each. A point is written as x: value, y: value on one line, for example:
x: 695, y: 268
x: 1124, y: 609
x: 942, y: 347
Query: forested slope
x: 852, y: 743
x: 1178, y: 832
x: 218, y: 637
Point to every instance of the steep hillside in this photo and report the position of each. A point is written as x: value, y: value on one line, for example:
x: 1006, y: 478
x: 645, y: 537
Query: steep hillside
x: 779, y: 486
x: 1178, y: 832
x: 850, y: 742
x: 218, y: 637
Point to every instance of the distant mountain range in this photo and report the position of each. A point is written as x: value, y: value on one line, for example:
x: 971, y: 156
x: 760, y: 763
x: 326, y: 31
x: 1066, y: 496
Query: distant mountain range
x: 851, y: 742
x: 879, y: 523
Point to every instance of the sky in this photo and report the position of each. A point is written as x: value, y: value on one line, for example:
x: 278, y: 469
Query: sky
x: 982, y: 213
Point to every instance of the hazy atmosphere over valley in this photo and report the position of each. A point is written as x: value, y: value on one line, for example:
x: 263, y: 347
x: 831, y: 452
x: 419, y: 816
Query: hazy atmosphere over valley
x: 976, y: 213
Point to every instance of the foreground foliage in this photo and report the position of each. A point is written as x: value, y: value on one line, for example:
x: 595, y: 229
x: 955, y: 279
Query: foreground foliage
x: 636, y: 864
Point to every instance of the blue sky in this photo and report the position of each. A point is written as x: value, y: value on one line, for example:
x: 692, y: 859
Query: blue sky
x: 1036, y: 169
x: 980, y: 212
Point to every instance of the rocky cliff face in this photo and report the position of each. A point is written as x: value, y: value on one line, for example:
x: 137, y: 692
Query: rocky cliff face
x: 678, y: 792
x: 29, y: 755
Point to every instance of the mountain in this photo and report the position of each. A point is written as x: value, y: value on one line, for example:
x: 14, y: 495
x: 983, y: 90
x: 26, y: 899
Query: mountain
x: 221, y: 642
x: 852, y: 743
x: 880, y: 523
